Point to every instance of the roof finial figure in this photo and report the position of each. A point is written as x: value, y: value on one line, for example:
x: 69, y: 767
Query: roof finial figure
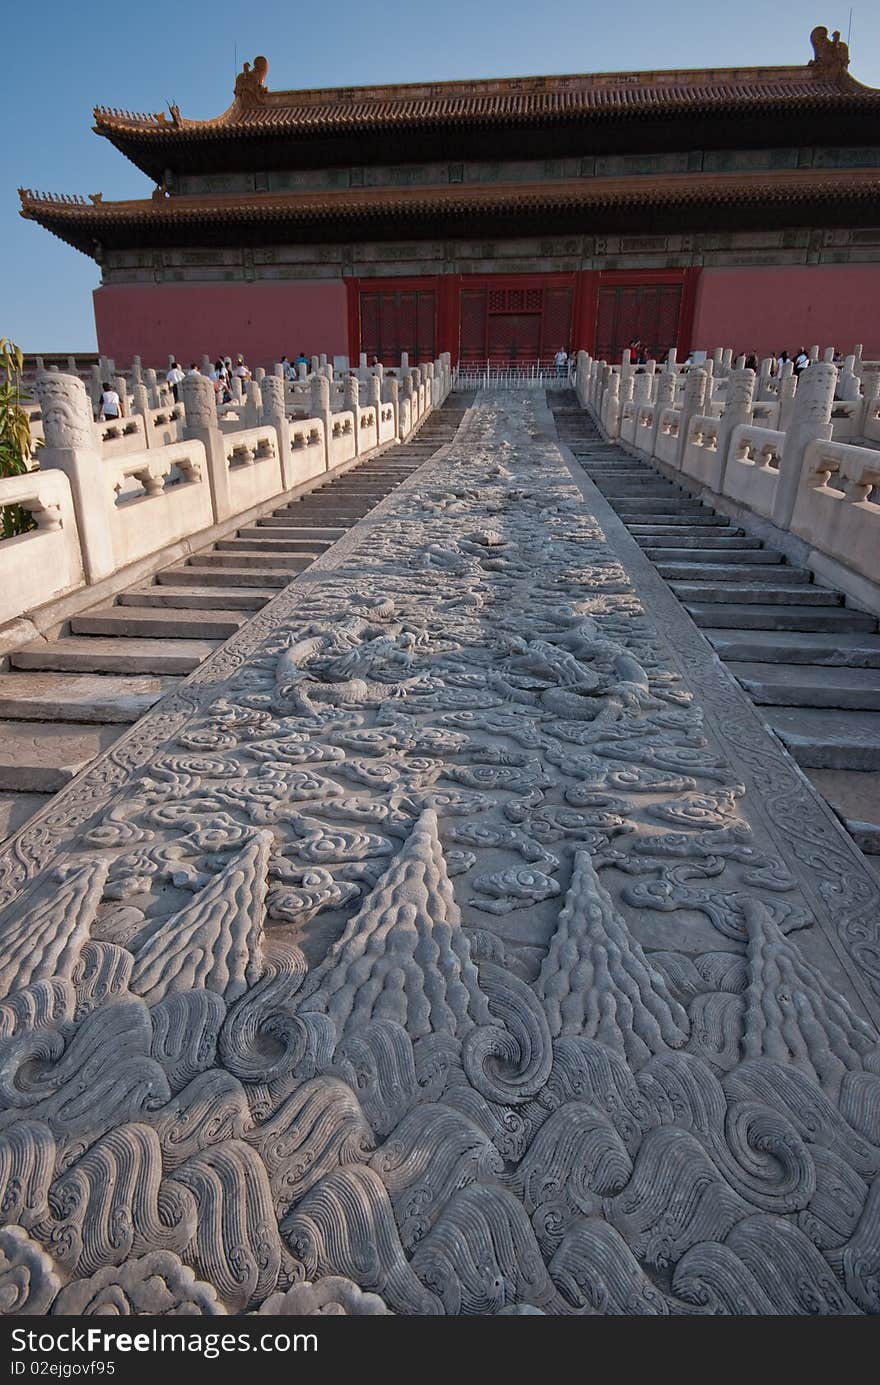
x: 250, y: 84
x: 832, y: 54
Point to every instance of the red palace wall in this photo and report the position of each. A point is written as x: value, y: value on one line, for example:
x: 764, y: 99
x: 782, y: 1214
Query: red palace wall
x: 262, y: 321
x: 762, y: 309
x: 768, y: 309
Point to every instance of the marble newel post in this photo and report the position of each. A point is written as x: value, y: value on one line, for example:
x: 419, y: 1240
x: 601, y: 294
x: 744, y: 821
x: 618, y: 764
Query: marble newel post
x: 71, y: 447
x: 253, y: 403
x: 811, y: 419
x: 786, y: 396
x: 392, y: 394
x: 320, y: 408
x: 696, y: 388
x: 200, y: 405
x: 611, y: 406
x: 664, y: 398
x: 275, y: 416
x: 351, y: 403
x: 737, y: 410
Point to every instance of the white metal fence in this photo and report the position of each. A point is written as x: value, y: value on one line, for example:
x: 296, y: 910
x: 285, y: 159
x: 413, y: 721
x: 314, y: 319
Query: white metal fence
x: 487, y: 375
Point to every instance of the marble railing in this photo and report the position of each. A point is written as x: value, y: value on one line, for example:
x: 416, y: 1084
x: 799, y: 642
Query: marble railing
x: 107, y: 496
x: 786, y: 455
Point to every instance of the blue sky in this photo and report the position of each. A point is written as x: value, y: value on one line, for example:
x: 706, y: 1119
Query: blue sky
x: 63, y: 60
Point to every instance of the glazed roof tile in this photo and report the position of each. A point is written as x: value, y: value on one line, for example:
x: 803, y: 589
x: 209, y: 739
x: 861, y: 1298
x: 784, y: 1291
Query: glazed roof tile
x: 527, y: 100
x: 78, y: 221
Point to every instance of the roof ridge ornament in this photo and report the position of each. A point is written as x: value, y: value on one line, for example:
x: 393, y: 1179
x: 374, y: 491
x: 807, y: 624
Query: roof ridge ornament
x: 832, y: 54
x: 250, y: 84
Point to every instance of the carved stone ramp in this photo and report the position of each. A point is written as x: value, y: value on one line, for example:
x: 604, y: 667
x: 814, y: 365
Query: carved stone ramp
x: 809, y: 661
x: 455, y: 939
x: 65, y: 699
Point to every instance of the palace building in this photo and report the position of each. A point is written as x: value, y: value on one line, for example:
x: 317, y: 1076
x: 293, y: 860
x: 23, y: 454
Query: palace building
x: 498, y: 219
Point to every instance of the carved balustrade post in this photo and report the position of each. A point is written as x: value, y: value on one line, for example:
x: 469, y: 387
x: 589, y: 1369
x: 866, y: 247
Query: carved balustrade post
x: 811, y: 420
x: 71, y: 446
x: 392, y: 394
x: 696, y: 388
x: 275, y: 416
x: 737, y: 410
x: 351, y: 402
x: 200, y: 407
x: 320, y: 409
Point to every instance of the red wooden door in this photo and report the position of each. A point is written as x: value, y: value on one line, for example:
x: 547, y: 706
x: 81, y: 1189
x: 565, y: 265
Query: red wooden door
x: 514, y: 337
x: 648, y: 313
x: 392, y: 321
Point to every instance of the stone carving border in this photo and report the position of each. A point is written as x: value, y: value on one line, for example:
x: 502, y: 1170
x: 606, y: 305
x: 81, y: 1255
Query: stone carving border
x: 29, y: 850
x: 832, y: 871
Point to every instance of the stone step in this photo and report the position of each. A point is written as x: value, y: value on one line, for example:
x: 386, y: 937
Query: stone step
x: 836, y: 650
x: 633, y: 517
x: 362, y: 490
x: 846, y: 740
x: 17, y: 808
x: 119, y: 654
x: 199, y: 598
x: 325, y: 533
x: 855, y: 797
x: 736, y: 571
x: 342, y: 518
x: 231, y: 576
x: 79, y: 697
x: 267, y: 543
x: 689, y: 557
x: 243, y: 557
x: 261, y: 536
x: 679, y: 540
x: 674, y: 504
x: 319, y: 502
x: 41, y: 757
x: 623, y: 495
x: 709, y: 524
x: 738, y: 593
x: 717, y: 615
x: 809, y: 685
x: 161, y: 622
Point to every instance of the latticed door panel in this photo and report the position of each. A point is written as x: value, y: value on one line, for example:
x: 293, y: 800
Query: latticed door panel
x: 398, y: 320
x: 472, y: 345
x: 370, y: 331
x: 514, y: 337
x: 556, y: 325
x: 647, y: 313
x: 426, y: 325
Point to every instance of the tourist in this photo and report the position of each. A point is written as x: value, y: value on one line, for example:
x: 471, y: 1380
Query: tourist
x: 241, y: 369
x: 302, y: 359
x: 802, y: 360
x: 193, y: 369
x: 110, y: 406
x: 751, y: 361
x: 560, y: 360
x: 781, y: 361
x: 174, y: 377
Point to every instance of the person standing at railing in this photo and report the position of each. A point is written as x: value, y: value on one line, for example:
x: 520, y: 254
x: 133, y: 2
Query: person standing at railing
x: 560, y: 360
x: 175, y: 378
x: 110, y: 405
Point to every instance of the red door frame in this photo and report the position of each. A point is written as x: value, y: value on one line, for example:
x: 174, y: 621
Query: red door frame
x: 586, y: 284
x: 688, y: 280
x: 432, y: 282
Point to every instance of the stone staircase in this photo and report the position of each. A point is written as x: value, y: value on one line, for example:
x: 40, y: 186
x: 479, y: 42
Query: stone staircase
x: 65, y: 700
x: 807, y: 660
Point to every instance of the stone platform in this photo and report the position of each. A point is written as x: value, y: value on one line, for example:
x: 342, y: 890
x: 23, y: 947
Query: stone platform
x: 454, y: 940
